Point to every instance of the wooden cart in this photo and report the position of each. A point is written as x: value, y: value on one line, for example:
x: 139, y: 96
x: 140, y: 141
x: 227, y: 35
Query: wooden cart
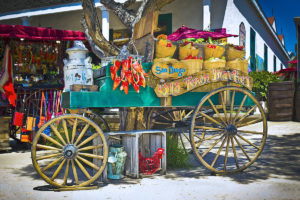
x: 226, y: 127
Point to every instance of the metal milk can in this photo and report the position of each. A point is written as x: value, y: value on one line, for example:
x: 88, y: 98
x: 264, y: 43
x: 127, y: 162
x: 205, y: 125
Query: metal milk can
x: 116, y: 162
x: 78, y: 68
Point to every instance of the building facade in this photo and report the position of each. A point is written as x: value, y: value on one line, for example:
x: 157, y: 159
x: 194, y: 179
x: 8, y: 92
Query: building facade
x: 264, y: 48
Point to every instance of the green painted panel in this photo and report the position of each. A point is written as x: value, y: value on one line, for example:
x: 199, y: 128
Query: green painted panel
x: 106, y: 97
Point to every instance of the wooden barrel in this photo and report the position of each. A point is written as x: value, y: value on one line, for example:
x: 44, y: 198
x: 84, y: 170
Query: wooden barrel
x: 281, y: 101
x: 297, y: 104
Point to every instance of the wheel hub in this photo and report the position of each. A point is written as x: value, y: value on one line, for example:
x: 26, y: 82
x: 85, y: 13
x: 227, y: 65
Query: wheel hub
x: 231, y: 129
x: 70, y: 151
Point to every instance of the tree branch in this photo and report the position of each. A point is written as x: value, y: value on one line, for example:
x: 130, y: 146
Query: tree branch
x: 92, y: 27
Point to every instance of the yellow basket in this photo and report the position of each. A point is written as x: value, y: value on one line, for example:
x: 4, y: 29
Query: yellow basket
x: 194, y: 65
x: 185, y: 52
x: 241, y: 65
x: 214, y: 64
x: 233, y: 54
x: 213, y: 53
x: 163, y: 51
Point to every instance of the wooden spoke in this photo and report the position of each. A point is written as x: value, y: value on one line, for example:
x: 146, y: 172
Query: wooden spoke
x: 182, y: 114
x: 201, y: 138
x: 66, y: 130
x: 88, y: 163
x: 74, y: 171
x: 82, y: 133
x: 91, y: 147
x: 74, y: 130
x: 58, y: 169
x: 90, y: 155
x: 242, y: 148
x: 248, y: 141
x: 171, y: 116
x: 211, y: 119
x: 54, y: 129
x: 52, y: 164
x: 66, y: 172
x: 245, y: 115
x: 250, y: 123
x: 211, y: 137
x: 226, y: 154
x: 88, y: 139
x: 187, y: 137
x: 209, y: 128
x: 51, y: 140
x: 47, y: 147
x: 182, y: 143
x: 218, y: 153
x: 240, y: 108
x: 251, y: 132
x: 165, y: 117
x: 48, y: 156
x: 210, y: 148
x: 224, y: 106
x: 234, y: 153
x: 231, y: 107
x: 83, y: 169
x: 216, y: 111
x: 163, y: 123
x: 187, y: 115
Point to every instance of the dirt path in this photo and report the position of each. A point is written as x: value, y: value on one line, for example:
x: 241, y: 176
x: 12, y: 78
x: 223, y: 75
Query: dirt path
x: 275, y: 175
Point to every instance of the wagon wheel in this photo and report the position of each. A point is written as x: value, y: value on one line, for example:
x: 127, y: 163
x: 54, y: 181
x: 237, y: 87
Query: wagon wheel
x: 100, y: 121
x: 176, y: 121
x: 73, y: 144
x: 236, y: 135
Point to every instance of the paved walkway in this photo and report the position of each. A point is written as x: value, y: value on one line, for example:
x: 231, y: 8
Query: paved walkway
x: 274, y: 175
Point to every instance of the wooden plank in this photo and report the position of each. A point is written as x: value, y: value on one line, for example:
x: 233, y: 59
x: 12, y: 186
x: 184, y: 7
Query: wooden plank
x: 146, y: 25
x: 205, y: 77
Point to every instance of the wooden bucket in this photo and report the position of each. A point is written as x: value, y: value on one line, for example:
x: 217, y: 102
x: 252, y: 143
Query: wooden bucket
x: 297, y: 104
x: 281, y: 101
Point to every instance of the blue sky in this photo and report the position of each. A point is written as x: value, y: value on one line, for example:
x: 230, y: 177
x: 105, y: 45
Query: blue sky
x: 284, y: 12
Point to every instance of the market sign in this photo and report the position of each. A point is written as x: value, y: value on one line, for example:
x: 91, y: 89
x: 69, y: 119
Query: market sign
x: 186, y: 84
x: 170, y: 70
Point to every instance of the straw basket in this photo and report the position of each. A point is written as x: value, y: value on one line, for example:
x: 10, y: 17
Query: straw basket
x: 185, y: 52
x: 163, y: 51
x: 213, y: 53
x: 241, y: 65
x: 194, y: 65
x: 214, y: 64
x: 233, y: 54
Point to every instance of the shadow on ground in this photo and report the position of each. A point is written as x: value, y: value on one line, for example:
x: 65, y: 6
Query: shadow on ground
x: 280, y: 157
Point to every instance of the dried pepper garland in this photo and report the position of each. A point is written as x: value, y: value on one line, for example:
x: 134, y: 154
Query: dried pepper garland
x: 132, y: 73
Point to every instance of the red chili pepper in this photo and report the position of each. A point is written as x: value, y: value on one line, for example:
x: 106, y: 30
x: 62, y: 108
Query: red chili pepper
x: 142, y: 81
x: 125, y: 86
x: 116, y: 82
x: 33, y: 59
x: 136, y: 87
x: 169, y: 44
x: 128, y: 76
x: 118, y: 65
x: 112, y: 72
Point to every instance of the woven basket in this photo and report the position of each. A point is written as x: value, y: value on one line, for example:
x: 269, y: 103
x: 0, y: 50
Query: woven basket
x: 214, y: 64
x: 163, y: 51
x: 233, y: 54
x: 185, y: 52
x: 241, y: 65
x: 213, y: 53
x: 194, y: 65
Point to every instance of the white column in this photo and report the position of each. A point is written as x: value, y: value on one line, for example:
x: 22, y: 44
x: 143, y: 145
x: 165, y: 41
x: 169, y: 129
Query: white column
x: 206, y: 14
x: 105, y: 23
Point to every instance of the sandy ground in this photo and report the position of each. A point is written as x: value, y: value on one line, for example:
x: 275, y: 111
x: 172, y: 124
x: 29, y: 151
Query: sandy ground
x: 274, y: 175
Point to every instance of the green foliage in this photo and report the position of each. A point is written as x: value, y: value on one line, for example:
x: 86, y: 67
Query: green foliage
x: 176, y: 156
x: 261, y: 81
